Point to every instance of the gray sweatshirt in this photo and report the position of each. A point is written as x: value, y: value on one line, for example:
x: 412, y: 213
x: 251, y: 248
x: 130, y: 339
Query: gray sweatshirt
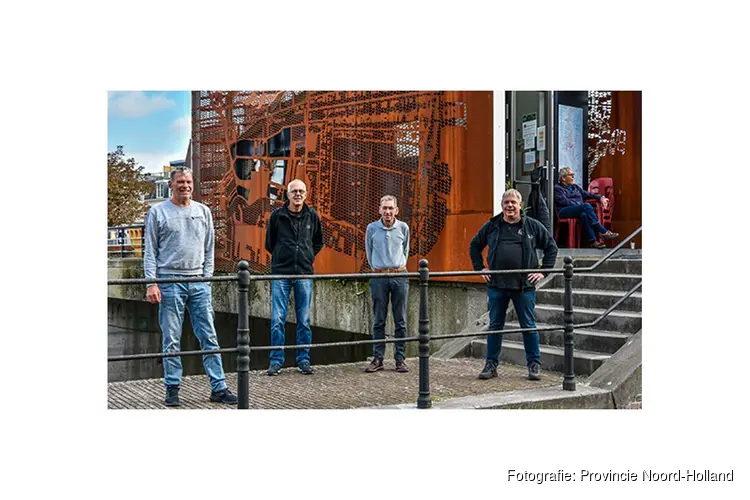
x: 179, y: 240
x: 387, y: 247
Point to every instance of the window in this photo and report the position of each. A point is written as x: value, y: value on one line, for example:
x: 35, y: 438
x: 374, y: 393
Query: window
x: 280, y: 144
x: 407, y: 139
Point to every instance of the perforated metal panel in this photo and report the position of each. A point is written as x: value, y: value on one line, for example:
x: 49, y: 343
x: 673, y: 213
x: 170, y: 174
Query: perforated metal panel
x: 350, y: 148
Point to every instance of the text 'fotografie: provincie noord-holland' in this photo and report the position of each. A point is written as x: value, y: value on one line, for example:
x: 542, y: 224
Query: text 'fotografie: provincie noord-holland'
x: 648, y: 475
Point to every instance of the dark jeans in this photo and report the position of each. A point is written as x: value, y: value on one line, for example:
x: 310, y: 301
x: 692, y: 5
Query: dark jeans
x: 398, y: 291
x: 587, y: 215
x: 523, y: 303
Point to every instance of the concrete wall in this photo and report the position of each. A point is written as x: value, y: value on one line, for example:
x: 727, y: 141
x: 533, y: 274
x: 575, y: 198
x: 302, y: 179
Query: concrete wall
x: 337, y: 305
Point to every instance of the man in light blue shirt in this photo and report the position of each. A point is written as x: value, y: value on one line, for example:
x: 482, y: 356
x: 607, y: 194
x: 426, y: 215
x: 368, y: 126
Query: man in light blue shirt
x: 180, y: 243
x: 387, y: 246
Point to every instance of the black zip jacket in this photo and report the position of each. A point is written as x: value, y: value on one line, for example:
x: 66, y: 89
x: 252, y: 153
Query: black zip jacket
x: 293, y: 253
x: 536, y: 236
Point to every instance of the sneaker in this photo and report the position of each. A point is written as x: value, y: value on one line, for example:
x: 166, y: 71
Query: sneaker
x: 173, y: 398
x: 534, y: 371
x: 597, y: 244
x: 305, y: 368
x: 609, y: 235
x: 375, y: 365
x: 401, y: 366
x: 224, y: 396
x: 490, y: 370
x: 274, y: 369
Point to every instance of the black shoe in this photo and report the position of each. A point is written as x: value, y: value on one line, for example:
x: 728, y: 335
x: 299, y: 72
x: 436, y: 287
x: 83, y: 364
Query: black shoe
x: 173, y: 398
x: 535, y: 371
x: 401, y: 366
x: 490, y: 370
x: 274, y: 369
x: 375, y: 365
x: 305, y: 368
x: 224, y: 396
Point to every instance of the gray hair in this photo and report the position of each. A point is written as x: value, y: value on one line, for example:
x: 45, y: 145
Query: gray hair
x: 388, y: 197
x: 565, y: 171
x: 513, y: 192
x: 180, y: 170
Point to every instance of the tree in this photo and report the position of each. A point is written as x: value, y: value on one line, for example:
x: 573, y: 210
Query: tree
x: 126, y: 185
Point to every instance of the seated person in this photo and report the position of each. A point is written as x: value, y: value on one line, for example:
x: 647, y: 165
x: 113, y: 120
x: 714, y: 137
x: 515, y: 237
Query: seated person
x: 570, y: 204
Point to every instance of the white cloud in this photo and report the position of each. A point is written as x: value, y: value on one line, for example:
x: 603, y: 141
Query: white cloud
x: 137, y: 104
x: 181, y: 124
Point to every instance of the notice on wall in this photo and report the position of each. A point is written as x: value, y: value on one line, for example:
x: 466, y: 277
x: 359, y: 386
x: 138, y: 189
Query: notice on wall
x: 529, y: 157
x: 541, y: 138
x: 528, y: 142
x: 529, y: 129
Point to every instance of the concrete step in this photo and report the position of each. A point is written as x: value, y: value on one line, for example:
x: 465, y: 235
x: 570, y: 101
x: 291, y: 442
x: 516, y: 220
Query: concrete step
x: 590, y: 299
x: 616, y: 321
x: 552, y: 358
x: 599, y: 281
x: 616, y: 266
x: 585, y: 339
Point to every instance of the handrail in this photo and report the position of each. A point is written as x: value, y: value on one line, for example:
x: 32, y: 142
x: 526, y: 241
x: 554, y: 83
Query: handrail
x: 611, y: 308
x: 364, y: 276
x: 243, y: 277
x: 610, y: 253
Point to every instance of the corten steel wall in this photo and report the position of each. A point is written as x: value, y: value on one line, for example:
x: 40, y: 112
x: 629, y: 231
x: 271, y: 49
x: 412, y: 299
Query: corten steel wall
x: 430, y: 149
x: 625, y: 169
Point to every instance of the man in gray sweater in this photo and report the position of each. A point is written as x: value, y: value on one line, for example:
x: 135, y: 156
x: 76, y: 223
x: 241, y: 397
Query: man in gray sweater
x: 387, y: 246
x: 180, y: 243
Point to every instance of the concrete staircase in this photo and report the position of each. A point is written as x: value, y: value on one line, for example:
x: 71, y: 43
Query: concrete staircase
x: 593, y: 293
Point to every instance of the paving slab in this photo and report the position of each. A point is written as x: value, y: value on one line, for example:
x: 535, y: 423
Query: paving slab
x: 339, y: 386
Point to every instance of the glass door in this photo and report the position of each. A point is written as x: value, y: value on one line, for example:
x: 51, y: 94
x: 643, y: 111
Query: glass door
x: 529, y: 163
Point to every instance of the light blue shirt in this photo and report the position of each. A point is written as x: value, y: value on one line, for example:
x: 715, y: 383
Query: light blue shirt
x: 387, y: 247
x: 179, y: 240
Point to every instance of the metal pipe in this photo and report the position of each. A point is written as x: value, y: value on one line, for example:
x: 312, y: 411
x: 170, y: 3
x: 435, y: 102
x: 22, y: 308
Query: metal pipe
x: 243, y: 336
x: 160, y: 355
x: 569, y: 383
x: 424, y: 400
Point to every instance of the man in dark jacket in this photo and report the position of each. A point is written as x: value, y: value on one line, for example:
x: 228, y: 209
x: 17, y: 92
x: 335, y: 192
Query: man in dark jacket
x: 294, y: 236
x: 512, y: 240
x: 570, y: 204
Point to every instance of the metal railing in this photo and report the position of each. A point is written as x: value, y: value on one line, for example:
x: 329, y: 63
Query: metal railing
x: 243, y: 279
x: 125, y: 241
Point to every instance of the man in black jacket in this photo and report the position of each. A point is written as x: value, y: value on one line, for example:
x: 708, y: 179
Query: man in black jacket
x: 512, y: 240
x: 294, y: 236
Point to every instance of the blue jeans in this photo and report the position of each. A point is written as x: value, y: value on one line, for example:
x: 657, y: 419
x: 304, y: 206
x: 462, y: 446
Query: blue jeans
x: 523, y: 303
x: 588, y: 217
x: 197, y: 298
x: 280, y: 290
x: 397, y: 289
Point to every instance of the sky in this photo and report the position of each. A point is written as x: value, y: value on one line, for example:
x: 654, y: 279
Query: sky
x: 153, y: 127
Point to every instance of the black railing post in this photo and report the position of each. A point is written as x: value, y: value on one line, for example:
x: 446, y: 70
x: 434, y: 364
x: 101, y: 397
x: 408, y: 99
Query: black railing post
x: 243, y: 336
x: 569, y: 381
x: 122, y: 243
x: 424, y: 400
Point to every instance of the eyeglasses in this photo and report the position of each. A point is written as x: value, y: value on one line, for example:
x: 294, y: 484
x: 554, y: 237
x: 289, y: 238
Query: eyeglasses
x: 295, y: 191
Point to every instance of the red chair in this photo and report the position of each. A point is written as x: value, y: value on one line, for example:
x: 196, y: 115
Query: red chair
x: 604, y: 186
x: 574, y: 232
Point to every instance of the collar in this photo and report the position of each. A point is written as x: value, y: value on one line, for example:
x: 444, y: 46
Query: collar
x: 382, y: 226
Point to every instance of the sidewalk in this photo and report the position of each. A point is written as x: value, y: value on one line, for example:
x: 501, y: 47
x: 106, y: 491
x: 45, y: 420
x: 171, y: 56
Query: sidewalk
x: 336, y: 386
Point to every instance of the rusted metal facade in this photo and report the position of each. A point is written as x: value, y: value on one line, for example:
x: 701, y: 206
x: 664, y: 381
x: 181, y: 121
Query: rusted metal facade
x: 430, y: 149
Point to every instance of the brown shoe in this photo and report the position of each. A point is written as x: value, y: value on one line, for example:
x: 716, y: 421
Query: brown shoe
x: 375, y: 365
x: 609, y: 235
x: 401, y: 366
x: 597, y: 244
